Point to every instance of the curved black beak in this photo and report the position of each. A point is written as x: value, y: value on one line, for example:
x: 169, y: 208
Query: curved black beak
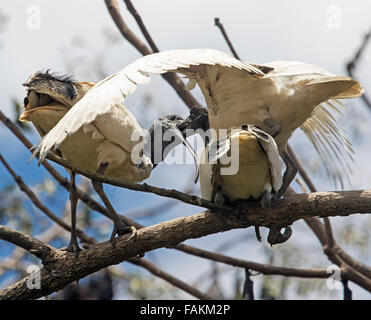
x: 157, y: 148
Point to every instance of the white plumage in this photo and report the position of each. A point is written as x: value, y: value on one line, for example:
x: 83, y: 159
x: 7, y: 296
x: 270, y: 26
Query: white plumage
x: 108, y: 93
x: 278, y: 97
x: 290, y: 94
x: 258, y: 161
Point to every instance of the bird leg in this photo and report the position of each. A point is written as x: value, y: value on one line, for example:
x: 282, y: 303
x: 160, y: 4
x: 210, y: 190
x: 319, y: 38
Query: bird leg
x: 266, y: 199
x: 74, y: 245
x: 289, y: 174
x: 275, y: 236
x: 273, y: 129
x: 118, y: 226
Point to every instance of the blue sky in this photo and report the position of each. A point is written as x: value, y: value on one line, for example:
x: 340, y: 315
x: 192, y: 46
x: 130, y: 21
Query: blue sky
x: 261, y: 31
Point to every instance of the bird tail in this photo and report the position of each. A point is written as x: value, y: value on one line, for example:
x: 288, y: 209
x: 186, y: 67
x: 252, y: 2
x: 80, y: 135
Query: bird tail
x: 341, y: 87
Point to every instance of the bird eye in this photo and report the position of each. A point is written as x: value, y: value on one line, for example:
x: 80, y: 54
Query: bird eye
x: 244, y: 127
x: 25, y: 101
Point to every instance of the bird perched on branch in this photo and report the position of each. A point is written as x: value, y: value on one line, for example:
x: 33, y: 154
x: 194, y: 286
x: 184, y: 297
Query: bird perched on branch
x: 251, y: 163
x: 278, y: 97
x: 110, y: 144
x: 252, y: 171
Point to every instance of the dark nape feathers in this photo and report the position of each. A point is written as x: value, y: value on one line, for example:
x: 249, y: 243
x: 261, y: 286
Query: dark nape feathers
x: 55, y: 82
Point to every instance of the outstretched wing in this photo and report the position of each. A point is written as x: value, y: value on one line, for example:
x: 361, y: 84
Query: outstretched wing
x: 114, y: 89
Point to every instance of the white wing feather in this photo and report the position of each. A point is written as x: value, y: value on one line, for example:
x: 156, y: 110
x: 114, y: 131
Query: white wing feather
x: 271, y: 150
x: 115, y: 88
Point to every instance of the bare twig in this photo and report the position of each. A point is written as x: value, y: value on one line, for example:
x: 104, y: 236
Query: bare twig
x: 169, y: 278
x: 329, y: 244
x: 266, y: 269
x: 226, y: 38
x: 27, y: 242
x: 330, y: 240
x: 171, y: 78
x: 84, y: 197
x: 141, y: 25
x: 351, y: 65
x: 35, y: 200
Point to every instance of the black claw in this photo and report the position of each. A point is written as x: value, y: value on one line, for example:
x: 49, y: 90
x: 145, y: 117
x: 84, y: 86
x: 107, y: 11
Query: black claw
x: 140, y: 255
x: 73, y: 247
x: 120, y: 230
x: 257, y: 234
x: 273, y: 129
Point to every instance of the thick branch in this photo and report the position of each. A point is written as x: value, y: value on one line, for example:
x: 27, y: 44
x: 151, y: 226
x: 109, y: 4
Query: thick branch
x: 290, y: 209
x: 66, y: 268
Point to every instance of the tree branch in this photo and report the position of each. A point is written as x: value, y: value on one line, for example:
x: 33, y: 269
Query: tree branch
x: 351, y: 65
x: 129, y: 35
x: 66, y: 268
x: 18, y: 133
x: 35, y: 200
x: 263, y: 268
x: 143, y: 263
x: 27, y: 242
x: 83, y: 196
x: 169, y: 278
x: 226, y: 38
x: 141, y: 25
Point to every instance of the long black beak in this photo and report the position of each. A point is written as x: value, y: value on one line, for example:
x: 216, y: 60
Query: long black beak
x: 198, y: 119
x: 164, y: 136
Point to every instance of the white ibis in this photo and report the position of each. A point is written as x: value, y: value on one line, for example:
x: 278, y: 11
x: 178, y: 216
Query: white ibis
x: 254, y: 171
x: 105, y: 145
x: 278, y: 97
x: 257, y: 172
